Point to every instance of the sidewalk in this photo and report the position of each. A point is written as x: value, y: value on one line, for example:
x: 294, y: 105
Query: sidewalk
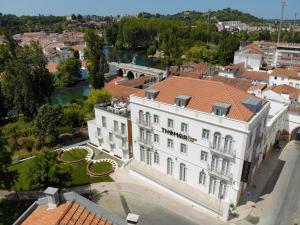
x: 262, y: 186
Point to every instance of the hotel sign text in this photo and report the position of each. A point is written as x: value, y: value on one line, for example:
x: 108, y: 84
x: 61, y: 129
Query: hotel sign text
x: 179, y: 135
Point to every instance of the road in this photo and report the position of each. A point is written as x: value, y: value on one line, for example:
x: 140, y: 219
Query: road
x: 284, y: 201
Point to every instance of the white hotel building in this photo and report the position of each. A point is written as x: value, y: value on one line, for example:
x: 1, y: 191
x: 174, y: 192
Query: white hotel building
x: 198, y: 138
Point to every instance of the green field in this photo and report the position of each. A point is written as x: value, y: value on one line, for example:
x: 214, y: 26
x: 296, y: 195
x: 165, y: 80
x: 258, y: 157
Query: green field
x: 79, y: 175
x: 75, y: 154
x: 10, y: 210
x: 102, y: 167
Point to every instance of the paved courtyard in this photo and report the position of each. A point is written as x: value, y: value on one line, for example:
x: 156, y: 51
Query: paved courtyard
x: 155, y: 206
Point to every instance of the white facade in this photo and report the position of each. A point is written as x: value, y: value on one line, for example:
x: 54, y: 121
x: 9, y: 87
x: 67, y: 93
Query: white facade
x: 109, y: 131
x: 211, y: 160
x: 252, y: 61
x: 278, y: 80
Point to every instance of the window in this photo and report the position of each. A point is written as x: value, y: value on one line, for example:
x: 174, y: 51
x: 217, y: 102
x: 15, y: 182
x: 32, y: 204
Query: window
x: 184, y: 127
x: 170, y: 123
x: 103, y: 121
x: 212, y: 185
x: 123, y: 128
x: 217, y: 140
x: 142, y: 134
x: 222, y: 190
x: 156, y: 138
x: 156, y: 158
x: 116, y: 126
x: 291, y: 84
x: 170, y: 143
x: 141, y: 115
x: 183, y: 148
x: 169, y: 166
x: 225, y: 167
x: 110, y: 136
x: 98, y: 131
x: 182, y: 174
x: 297, y: 85
x: 142, y: 154
x: 149, y: 157
x: 250, y: 139
x: 205, y: 134
x: 228, y: 143
x: 202, y: 177
x: 156, y: 119
x: 147, y: 118
x: 215, y: 163
x: 204, y: 156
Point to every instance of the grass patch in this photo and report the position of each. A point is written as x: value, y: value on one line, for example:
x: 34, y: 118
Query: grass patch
x: 102, y: 167
x: 79, y: 175
x: 10, y: 210
x: 75, y: 154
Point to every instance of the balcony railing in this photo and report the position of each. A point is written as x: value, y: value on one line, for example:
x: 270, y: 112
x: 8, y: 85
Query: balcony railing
x: 146, y: 142
x: 99, y: 136
x: 220, y: 149
x: 144, y: 123
x: 121, y: 134
x: 219, y: 172
x: 111, y: 141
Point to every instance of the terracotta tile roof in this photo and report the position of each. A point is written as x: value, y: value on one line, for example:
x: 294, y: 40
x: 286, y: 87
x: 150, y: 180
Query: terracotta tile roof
x: 138, y: 82
x: 281, y: 72
x: 65, y: 214
x: 204, y: 93
x: 257, y: 87
x: 254, y: 75
x: 191, y: 74
x: 237, y: 83
x: 52, y: 67
x: 254, y: 48
x: 286, y: 89
x: 78, y: 47
x: 120, y: 91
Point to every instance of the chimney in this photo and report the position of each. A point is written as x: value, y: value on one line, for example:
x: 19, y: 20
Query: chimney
x: 52, y: 197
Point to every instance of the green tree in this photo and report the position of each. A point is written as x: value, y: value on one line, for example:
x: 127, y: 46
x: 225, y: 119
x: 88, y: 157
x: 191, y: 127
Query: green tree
x: 26, y: 81
x: 73, y: 115
x: 96, y: 62
x: 6, y: 180
x: 226, y: 50
x: 45, y: 171
x: 3, y: 111
x: 69, y: 71
x: 151, y: 50
x: 111, y: 33
x: 49, y: 119
x: 96, y: 97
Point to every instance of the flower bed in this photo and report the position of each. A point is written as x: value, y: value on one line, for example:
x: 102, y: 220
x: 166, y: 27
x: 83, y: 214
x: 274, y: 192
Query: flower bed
x: 100, y: 169
x: 74, y: 154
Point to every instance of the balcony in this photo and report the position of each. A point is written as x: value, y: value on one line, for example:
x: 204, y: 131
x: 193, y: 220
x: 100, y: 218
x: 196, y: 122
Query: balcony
x: 144, y: 124
x: 120, y: 134
x: 98, y: 136
x: 145, y: 142
x: 124, y: 147
x: 219, y: 173
x: 222, y: 151
x: 111, y: 141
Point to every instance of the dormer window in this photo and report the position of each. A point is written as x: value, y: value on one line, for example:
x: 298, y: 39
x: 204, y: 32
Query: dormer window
x: 151, y: 94
x: 253, y: 104
x: 182, y: 100
x: 221, y: 109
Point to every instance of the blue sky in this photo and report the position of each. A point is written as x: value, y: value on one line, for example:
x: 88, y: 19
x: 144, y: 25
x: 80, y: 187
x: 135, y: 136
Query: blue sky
x: 260, y: 8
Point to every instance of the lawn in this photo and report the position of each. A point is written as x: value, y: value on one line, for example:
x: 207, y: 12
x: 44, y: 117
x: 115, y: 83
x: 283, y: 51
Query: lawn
x: 75, y: 154
x: 79, y: 175
x: 102, y: 167
x: 10, y: 210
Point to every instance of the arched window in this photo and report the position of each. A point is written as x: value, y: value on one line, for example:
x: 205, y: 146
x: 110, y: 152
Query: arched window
x: 228, y: 143
x: 169, y: 166
x: 141, y: 115
x: 217, y: 140
x: 156, y: 157
x: 202, y: 177
x: 182, y: 174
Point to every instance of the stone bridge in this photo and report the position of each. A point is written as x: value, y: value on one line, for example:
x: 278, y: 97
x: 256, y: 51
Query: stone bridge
x: 132, y: 71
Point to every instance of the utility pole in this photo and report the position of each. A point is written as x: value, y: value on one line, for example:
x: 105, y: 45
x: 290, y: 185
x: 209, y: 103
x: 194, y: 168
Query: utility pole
x: 208, y: 24
x: 293, y: 37
x: 283, y: 2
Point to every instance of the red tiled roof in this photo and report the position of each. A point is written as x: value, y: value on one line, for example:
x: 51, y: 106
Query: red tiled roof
x: 65, y: 214
x: 204, y: 93
x: 119, y: 91
x: 237, y: 83
x: 257, y: 87
x: 286, y: 89
x: 291, y: 73
x: 52, y: 67
x: 254, y: 75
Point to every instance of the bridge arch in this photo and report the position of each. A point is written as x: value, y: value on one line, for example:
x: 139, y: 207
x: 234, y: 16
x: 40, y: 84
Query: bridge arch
x: 142, y: 75
x: 295, y: 135
x: 130, y: 75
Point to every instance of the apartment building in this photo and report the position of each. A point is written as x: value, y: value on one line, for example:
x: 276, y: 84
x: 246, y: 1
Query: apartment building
x: 201, y: 133
x: 288, y: 76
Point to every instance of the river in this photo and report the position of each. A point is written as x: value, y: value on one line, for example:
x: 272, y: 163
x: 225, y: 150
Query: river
x: 64, y: 96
